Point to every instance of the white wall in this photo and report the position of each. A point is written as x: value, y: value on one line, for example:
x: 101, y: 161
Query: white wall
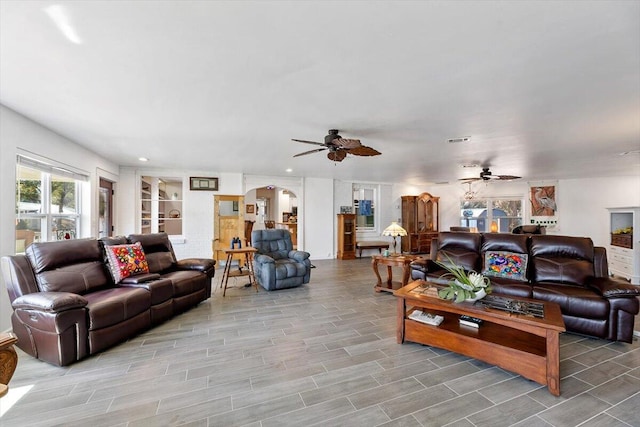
x: 318, y: 218
x: 197, y: 207
x: 19, y: 133
x: 581, y: 203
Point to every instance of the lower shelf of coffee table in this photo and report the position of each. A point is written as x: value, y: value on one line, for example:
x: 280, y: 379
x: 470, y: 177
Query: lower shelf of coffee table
x: 512, y: 349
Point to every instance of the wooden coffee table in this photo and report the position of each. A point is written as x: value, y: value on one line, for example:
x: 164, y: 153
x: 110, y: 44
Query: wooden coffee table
x: 390, y: 261
x: 519, y: 343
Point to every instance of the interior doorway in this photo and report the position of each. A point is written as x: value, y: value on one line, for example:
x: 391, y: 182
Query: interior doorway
x: 295, y: 185
x: 228, y: 222
x: 275, y: 207
x: 105, y: 208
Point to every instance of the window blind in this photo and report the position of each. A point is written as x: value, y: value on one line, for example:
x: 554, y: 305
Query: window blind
x: 52, y: 167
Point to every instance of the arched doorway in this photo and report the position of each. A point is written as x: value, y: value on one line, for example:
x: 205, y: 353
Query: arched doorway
x: 279, y: 200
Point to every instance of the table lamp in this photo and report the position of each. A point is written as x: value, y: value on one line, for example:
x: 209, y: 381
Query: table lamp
x: 394, y: 230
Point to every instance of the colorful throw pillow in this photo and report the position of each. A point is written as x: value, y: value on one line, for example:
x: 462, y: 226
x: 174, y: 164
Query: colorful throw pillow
x: 509, y: 265
x: 126, y: 260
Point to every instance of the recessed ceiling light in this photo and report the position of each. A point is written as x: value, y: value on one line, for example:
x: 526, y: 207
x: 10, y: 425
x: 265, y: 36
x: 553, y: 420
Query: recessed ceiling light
x: 289, y: 170
x: 143, y: 159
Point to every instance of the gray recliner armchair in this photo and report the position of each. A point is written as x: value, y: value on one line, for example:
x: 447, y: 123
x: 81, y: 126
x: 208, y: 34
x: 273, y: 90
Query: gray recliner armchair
x: 277, y: 265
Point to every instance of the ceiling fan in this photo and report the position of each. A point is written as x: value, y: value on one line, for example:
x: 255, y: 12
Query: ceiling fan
x: 486, y: 175
x: 339, y: 147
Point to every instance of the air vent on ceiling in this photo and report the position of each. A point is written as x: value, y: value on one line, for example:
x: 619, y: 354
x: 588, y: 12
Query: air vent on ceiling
x: 458, y: 140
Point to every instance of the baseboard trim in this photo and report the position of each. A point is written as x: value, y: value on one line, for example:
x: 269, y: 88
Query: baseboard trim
x: 636, y: 333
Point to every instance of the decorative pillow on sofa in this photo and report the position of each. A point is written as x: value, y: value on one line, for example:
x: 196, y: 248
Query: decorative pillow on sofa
x: 126, y: 260
x: 509, y: 265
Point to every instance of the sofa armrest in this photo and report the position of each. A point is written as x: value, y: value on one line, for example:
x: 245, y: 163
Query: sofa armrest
x: 425, y: 265
x: 264, y: 259
x: 140, y: 278
x: 197, y: 264
x: 54, y: 302
x: 613, y: 288
x: 299, y: 255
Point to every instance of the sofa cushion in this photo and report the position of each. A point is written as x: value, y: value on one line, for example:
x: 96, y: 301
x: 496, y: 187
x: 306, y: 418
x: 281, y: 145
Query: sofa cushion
x: 461, y: 248
x: 505, y: 264
x: 186, y: 281
x: 510, y: 287
x: 158, y: 250
x: 561, y: 259
x: 575, y: 301
x: 74, y: 266
x: 112, y: 306
x: 126, y: 260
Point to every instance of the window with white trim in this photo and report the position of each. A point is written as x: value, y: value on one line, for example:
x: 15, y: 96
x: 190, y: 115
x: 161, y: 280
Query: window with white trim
x: 480, y: 213
x: 48, y: 202
x: 364, y: 204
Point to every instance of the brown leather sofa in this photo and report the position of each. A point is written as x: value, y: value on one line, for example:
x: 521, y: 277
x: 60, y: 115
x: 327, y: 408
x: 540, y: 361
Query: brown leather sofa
x: 67, y: 306
x: 570, y: 271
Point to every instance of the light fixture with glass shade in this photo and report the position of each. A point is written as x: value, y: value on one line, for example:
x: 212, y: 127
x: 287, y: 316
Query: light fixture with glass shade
x: 394, y: 230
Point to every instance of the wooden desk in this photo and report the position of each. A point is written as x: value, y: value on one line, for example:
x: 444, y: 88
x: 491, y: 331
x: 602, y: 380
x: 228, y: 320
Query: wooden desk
x: 248, y: 257
x: 519, y: 343
x: 392, y: 261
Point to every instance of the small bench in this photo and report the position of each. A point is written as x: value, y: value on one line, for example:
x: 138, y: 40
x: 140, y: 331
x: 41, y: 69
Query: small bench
x: 373, y: 244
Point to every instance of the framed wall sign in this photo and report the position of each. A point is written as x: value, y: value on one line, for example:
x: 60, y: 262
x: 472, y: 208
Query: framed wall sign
x: 203, y: 183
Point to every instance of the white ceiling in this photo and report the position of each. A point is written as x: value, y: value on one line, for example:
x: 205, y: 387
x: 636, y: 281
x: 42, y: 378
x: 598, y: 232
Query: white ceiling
x: 546, y: 90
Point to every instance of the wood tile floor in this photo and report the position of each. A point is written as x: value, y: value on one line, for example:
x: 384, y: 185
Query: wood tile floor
x: 324, y: 354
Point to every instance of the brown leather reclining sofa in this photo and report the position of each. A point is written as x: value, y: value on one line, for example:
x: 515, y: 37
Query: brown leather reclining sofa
x: 67, y: 305
x: 570, y: 271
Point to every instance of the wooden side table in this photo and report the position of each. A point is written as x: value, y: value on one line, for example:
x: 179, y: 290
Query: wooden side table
x: 248, y: 257
x: 392, y: 261
x: 8, y: 361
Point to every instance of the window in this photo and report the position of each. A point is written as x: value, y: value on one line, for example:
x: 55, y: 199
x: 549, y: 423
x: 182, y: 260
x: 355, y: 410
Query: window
x: 480, y: 213
x: 364, y: 203
x: 47, y: 202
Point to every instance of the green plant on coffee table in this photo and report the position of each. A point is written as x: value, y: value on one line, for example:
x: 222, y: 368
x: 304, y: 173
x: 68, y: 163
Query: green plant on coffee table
x: 463, y: 285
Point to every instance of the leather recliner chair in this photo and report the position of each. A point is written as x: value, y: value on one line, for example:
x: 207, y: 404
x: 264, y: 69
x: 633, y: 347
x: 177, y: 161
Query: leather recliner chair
x: 277, y: 265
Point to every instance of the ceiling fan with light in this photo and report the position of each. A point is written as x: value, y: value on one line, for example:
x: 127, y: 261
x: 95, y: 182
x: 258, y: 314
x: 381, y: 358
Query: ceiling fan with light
x: 486, y: 175
x: 339, y: 147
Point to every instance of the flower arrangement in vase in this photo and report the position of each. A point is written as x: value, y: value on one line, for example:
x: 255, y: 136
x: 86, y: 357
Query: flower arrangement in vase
x: 464, y: 286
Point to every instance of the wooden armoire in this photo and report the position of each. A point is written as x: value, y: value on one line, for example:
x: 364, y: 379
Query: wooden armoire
x: 420, y: 218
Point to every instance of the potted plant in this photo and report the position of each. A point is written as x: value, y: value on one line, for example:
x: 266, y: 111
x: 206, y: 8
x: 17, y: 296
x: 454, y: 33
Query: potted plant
x: 463, y: 286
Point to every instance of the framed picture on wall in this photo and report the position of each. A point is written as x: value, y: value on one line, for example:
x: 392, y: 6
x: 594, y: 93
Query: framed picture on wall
x: 235, y: 206
x: 544, y: 204
x: 200, y: 183
x: 250, y: 208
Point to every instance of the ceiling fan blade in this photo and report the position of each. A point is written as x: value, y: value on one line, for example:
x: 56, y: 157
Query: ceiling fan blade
x: 337, y: 156
x: 363, y: 150
x: 347, y: 143
x: 309, y: 152
x: 506, y: 177
x: 308, y: 142
x: 469, y: 180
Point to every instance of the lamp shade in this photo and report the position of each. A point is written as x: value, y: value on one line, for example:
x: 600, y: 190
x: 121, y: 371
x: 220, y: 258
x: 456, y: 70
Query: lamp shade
x: 394, y: 230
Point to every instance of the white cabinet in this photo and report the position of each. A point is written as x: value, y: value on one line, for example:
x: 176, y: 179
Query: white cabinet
x: 623, y: 253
